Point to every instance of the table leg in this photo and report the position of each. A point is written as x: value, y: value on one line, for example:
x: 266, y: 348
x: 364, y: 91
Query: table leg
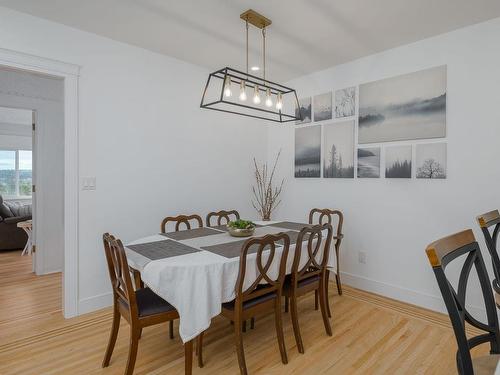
x: 188, y: 357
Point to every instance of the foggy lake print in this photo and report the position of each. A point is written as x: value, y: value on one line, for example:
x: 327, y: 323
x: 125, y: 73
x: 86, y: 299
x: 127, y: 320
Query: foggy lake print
x: 338, y: 150
x: 398, y: 162
x: 345, y: 102
x: 308, y: 151
x: 323, y: 107
x: 369, y: 162
x: 431, y: 160
x: 305, y: 109
x: 411, y: 106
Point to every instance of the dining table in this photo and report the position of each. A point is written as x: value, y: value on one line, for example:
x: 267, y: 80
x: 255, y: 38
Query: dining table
x: 195, y: 270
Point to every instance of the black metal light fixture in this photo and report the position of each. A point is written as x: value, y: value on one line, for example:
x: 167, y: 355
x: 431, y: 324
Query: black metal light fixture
x: 257, y: 97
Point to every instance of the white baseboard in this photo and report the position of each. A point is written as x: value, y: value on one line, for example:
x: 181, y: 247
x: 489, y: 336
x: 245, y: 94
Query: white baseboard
x: 413, y: 297
x: 90, y: 304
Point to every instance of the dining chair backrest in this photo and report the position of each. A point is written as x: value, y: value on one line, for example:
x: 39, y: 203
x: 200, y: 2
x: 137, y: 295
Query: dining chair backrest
x: 332, y: 217
x: 267, y: 248
x: 490, y: 226
x: 440, y: 254
x: 222, y: 215
x: 314, y: 259
x: 119, y: 274
x: 181, y: 219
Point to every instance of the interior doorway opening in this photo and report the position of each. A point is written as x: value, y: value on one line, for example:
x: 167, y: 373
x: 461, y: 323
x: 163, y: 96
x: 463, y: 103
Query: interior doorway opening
x: 32, y: 189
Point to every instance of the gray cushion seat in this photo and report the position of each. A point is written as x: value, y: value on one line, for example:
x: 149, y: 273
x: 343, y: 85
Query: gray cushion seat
x: 149, y: 303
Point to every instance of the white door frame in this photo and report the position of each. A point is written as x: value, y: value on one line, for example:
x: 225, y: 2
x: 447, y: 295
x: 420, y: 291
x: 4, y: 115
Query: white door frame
x: 70, y: 73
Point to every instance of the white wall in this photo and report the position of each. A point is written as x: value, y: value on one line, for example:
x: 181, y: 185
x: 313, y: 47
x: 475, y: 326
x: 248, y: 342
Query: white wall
x: 393, y: 220
x: 142, y: 134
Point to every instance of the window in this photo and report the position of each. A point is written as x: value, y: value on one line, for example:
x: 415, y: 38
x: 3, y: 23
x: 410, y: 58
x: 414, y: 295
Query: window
x: 15, y: 173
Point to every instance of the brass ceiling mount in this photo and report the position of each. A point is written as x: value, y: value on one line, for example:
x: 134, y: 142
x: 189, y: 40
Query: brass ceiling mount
x: 256, y: 19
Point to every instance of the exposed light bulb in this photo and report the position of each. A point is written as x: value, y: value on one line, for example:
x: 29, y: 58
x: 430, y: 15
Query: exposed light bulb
x: 243, y: 93
x: 255, y: 68
x: 256, y: 95
x: 269, y: 101
x: 227, y: 87
x: 279, y: 102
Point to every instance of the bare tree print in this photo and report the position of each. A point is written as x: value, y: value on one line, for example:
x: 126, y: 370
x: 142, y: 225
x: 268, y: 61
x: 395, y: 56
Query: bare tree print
x: 431, y: 169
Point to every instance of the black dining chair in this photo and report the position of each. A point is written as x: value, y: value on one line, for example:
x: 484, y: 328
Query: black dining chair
x: 443, y: 252
x: 490, y: 226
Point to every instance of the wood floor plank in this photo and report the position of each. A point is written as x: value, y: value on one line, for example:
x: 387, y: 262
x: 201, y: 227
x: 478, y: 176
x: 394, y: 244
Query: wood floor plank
x: 371, y: 335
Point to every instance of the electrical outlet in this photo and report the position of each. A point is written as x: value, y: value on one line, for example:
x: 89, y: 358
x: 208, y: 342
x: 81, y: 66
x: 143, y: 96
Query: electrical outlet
x: 362, y: 257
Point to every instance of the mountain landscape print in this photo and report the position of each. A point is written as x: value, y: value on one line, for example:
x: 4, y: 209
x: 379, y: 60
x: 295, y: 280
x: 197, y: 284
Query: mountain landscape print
x: 407, y: 107
x: 308, y: 151
x: 323, y: 107
x: 304, y: 109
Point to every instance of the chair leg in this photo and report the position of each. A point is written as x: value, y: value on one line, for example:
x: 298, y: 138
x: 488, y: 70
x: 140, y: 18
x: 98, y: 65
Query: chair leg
x: 339, y: 283
x: 337, y: 274
x: 244, y: 326
x: 188, y: 357
x: 324, y: 313
x: 279, y: 329
x: 132, y: 351
x: 199, y: 350
x: 287, y: 301
x: 112, y: 337
x: 327, y: 293
x: 239, y: 346
x: 171, y: 329
x: 295, y: 322
x: 315, y: 300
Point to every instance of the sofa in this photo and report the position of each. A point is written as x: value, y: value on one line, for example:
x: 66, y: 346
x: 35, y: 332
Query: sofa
x: 11, y: 213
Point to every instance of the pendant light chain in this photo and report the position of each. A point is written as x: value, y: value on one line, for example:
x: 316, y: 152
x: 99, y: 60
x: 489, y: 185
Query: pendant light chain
x: 247, y: 45
x: 264, y: 52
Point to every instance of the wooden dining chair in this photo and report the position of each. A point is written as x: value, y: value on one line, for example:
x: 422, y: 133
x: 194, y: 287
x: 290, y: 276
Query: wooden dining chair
x: 140, y: 308
x: 222, y: 215
x: 441, y: 253
x: 317, y: 216
x: 179, y: 220
x: 309, y: 273
x: 490, y: 226
x: 263, y: 295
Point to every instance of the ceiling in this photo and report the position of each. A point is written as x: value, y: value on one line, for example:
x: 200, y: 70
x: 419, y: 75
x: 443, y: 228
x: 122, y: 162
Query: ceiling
x: 306, y: 35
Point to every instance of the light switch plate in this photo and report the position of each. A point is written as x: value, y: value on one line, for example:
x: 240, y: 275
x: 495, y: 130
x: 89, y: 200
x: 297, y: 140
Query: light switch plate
x: 88, y: 183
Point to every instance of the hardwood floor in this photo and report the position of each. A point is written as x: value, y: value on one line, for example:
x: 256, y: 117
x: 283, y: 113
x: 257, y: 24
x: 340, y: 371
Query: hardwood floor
x: 371, y: 335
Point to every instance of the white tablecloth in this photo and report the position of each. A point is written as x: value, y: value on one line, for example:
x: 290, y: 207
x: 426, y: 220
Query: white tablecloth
x: 197, y: 284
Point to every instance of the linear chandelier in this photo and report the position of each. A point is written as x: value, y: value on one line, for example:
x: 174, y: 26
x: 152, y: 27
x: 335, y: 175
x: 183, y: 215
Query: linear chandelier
x: 256, y: 96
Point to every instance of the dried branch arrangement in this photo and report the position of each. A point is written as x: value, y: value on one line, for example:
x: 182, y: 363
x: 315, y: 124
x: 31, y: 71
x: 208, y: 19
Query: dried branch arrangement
x: 266, y: 196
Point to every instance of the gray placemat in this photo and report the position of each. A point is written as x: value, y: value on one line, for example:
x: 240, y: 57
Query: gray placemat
x: 290, y: 225
x: 191, y: 233
x: 162, y: 249
x: 233, y: 249
x: 224, y: 227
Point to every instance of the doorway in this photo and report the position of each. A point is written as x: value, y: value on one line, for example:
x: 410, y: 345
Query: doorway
x: 16, y: 182
x: 32, y: 190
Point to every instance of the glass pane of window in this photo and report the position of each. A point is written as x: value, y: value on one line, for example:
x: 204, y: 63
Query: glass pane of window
x: 25, y: 173
x: 8, y: 173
